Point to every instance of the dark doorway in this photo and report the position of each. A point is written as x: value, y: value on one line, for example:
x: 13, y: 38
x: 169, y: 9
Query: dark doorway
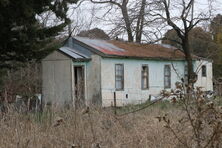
x: 79, y: 85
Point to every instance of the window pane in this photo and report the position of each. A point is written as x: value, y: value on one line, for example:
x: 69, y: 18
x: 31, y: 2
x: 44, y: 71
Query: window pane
x: 185, y: 74
x: 144, y: 82
x: 167, y: 82
x: 118, y: 73
x: 119, y: 76
x: 167, y: 70
x: 145, y: 77
x: 167, y: 76
x: 185, y: 70
x: 204, y: 71
x: 118, y: 84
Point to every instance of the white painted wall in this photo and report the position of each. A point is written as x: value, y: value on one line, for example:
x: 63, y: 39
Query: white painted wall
x: 100, y: 79
x: 205, y: 82
x: 132, y: 79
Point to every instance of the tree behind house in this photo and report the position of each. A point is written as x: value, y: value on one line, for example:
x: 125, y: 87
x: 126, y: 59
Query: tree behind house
x: 95, y: 33
x: 201, y: 44
x: 131, y: 19
x: 183, y: 22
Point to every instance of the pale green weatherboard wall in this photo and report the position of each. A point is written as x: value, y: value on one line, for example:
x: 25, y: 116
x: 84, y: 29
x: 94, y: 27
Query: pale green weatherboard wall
x: 132, y: 79
x: 58, y: 79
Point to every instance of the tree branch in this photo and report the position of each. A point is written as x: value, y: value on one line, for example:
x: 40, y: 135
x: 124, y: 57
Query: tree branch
x: 105, y: 2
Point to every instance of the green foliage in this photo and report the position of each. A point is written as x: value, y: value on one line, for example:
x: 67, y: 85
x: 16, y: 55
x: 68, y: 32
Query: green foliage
x: 2, y: 76
x: 200, y: 41
x: 171, y: 38
x: 94, y: 33
x: 22, y: 36
x: 216, y: 28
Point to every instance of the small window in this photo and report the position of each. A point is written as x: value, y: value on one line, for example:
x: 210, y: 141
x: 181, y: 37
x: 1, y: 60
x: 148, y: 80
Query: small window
x: 167, y: 76
x: 145, y: 77
x: 186, y: 74
x: 119, y: 76
x: 204, y: 71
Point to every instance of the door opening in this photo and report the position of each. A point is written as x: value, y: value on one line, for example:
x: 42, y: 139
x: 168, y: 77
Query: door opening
x: 79, y: 85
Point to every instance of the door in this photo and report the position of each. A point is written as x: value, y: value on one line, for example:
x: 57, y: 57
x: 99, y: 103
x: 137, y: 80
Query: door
x: 79, y: 86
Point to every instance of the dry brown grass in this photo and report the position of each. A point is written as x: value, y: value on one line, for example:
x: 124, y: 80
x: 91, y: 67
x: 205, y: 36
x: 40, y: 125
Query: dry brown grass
x: 98, y: 128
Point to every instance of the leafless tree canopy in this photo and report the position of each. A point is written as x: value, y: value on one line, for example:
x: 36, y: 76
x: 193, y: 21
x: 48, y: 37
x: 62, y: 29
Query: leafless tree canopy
x: 128, y: 16
x: 181, y: 17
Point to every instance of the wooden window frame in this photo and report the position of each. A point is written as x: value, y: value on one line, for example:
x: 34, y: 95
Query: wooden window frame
x: 142, y: 77
x: 204, y: 74
x: 167, y: 87
x: 122, y: 77
x: 185, y: 74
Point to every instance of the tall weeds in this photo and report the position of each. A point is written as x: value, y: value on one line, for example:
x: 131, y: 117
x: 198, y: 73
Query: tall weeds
x: 80, y: 128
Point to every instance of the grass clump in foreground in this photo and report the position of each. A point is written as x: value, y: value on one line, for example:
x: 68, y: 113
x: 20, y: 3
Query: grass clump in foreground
x: 160, y: 105
x: 161, y: 125
x: 97, y: 127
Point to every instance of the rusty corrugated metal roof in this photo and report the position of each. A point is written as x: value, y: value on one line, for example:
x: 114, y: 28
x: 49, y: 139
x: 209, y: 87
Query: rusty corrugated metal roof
x: 148, y: 50
x: 102, y: 46
x: 127, y: 49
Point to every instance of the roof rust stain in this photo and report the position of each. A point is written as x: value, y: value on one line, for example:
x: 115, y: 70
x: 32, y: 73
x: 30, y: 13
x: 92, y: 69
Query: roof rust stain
x: 129, y: 49
x: 111, y: 52
x: 147, y: 50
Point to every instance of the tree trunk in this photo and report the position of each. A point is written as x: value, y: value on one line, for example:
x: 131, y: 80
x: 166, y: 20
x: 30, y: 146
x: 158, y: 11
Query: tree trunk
x: 188, y: 56
x: 140, y: 21
x: 127, y: 21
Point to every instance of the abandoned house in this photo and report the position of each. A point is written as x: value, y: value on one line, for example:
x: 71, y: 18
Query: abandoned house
x: 91, y: 71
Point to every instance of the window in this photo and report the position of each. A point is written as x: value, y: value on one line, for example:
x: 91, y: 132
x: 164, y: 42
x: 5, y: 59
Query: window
x: 145, y: 77
x: 167, y: 76
x: 119, y: 76
x: 204, y: 71
x: 185, y: 74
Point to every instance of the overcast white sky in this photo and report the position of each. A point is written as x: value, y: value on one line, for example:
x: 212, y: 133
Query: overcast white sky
x: 83, y: 15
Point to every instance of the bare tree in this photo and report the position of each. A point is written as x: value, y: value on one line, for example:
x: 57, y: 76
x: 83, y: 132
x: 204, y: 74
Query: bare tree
x: 133, y: 15
x: 182, y: 23
x: 124, y: 9
x: 140, y: 22
x: 76, y: 14
x: 79, y: 21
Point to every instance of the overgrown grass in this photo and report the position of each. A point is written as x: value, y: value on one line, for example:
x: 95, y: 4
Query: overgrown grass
x: 161, y: 105
x: 94, y: 128
x: 218, y: 100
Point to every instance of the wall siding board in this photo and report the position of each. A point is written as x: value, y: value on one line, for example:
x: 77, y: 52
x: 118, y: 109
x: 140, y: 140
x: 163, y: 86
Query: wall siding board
x: 99, y: 76
x: 205, y: 82
x: 132, y: 79
x: 93, y: 80
x: 57, y: 79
